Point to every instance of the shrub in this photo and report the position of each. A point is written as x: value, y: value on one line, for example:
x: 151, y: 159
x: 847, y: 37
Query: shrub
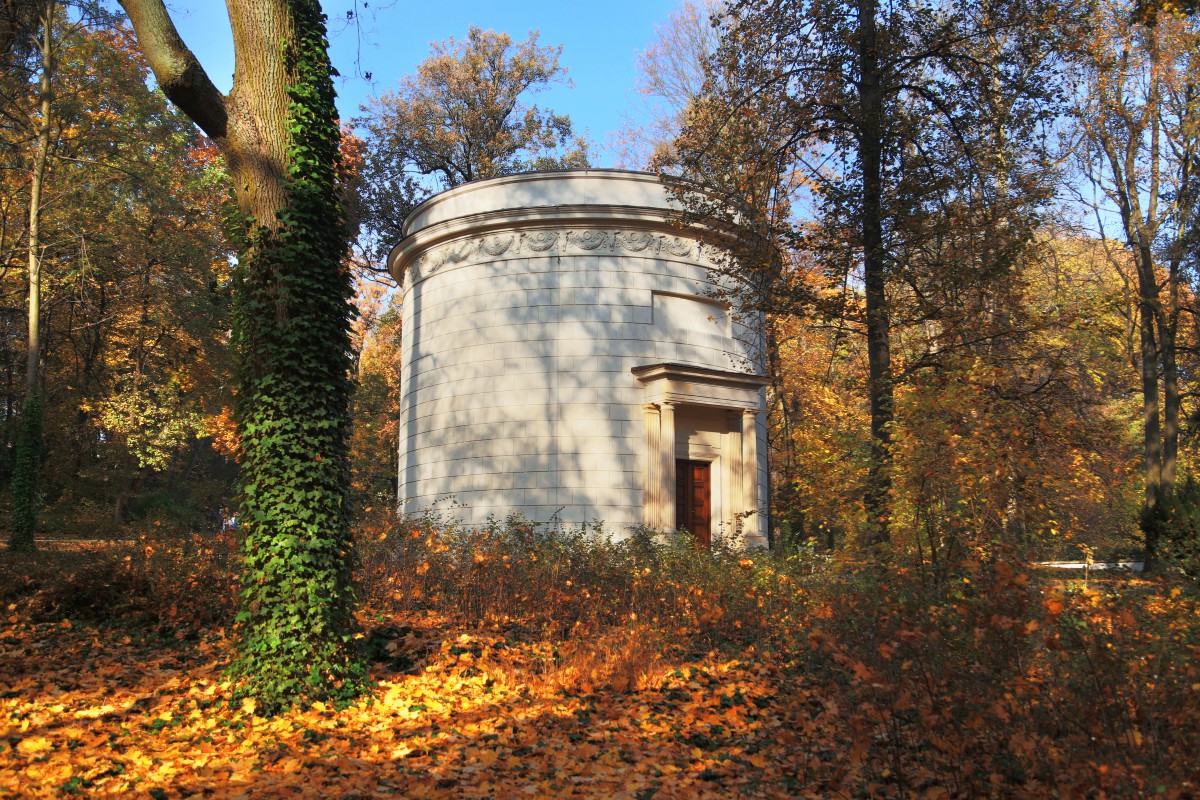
x: 159, y: 576
x: 569, y: 579
x: 1181, y: 540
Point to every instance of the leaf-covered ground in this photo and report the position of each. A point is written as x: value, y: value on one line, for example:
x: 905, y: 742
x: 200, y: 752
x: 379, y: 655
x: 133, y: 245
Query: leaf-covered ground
x: 95, y: 711
x: 713, y: 677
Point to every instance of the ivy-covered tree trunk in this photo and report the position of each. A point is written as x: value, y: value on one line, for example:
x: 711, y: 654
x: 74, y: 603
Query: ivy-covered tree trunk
x: 277, y: 129
x: 28, y: 462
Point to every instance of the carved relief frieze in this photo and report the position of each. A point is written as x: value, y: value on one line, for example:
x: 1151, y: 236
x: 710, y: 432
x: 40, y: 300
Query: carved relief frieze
x: 589, y: 240
x: 496, y: 246
x: 539, y: 241
x: 635, y: 241
x: 575, y: 241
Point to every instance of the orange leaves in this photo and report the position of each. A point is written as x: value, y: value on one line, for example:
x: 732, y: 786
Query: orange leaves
x: 1006, y: 691
x: 470, y: 721
x: 34, y: 745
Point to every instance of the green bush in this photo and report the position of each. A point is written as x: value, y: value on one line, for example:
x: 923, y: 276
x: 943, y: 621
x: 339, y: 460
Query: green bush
x: 1181, y: 534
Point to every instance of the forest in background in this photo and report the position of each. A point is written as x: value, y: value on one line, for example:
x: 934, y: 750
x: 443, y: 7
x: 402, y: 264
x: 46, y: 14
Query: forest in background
x: 971, y: 230
x: 1017, y: 336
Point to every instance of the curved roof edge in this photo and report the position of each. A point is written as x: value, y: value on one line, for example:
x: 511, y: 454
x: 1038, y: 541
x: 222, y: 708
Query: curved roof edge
x: 545, y: 188
x: 574, y: 194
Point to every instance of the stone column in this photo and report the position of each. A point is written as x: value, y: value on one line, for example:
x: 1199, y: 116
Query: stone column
x: 652, y: 478
x: 750, y: 471
x: 666, y: 449
x: 735, y: 503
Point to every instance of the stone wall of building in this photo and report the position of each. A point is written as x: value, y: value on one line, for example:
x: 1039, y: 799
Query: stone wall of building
x: 528, y: 302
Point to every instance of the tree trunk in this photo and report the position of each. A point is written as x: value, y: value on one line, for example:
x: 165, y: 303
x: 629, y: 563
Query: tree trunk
x: 126, y: 493
x: 278, y: 132
x: 1151, y: 430
x: 1141, y: 230
x: 877, y: 498
x: 29, y: 440
x: 1145, y: 151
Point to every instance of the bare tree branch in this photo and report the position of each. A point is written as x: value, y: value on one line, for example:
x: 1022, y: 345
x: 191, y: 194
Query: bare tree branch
x: 176, y: 68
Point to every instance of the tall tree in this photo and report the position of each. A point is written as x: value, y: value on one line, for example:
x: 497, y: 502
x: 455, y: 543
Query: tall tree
x: 278, y: 131
x: 463, y: 116
x: 846, y: 103
x: 1140, y: 123
x: 131, y: 262
x: 671, y: 76
x: 29, y: 440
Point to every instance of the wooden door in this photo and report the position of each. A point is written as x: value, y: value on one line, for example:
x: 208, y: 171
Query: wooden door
x: 693, y: 499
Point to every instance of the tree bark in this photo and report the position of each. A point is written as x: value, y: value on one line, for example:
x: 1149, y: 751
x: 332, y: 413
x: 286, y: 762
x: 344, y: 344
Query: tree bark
x: 29, y: 439
x: 41, y: 155
x: 1139, y: 144
x: 244, y: 124
x: 277, y: 129
x: 870, y: 155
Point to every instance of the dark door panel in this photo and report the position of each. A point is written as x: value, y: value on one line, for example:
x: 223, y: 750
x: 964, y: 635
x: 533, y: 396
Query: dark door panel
x: 693, y: 499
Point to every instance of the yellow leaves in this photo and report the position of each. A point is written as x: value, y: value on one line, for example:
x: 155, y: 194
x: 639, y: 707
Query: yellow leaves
x: 290, y: 766
x: 485, y: 758
x: 34, y: 745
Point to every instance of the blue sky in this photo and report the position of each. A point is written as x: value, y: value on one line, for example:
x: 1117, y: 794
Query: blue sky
x: 600, y: 41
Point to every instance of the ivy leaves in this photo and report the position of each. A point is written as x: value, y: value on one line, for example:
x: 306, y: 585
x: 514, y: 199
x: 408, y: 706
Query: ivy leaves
x: 292, y: 315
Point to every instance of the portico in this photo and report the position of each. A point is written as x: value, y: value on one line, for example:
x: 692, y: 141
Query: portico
x: 701, y: 456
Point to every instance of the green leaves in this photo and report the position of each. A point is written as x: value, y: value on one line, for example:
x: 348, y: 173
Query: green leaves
x: 292, y: 315
x: 25, y: 502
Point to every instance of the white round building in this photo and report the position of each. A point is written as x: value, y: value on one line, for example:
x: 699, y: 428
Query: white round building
x: 563, y: 358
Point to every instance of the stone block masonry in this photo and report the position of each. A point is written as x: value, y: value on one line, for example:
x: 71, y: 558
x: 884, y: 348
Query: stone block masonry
x: 562, y: 350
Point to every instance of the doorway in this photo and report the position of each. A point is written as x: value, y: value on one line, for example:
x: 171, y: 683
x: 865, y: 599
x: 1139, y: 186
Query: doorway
x: 693, y: 499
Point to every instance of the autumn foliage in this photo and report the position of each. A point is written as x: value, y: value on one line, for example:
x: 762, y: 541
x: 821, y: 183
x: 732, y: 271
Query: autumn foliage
x: 1023, y: 356
x: 514, y: 661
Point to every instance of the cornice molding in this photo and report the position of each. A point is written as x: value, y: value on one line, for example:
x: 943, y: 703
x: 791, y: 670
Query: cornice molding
x: 706, y: 375
x: 613, y: 231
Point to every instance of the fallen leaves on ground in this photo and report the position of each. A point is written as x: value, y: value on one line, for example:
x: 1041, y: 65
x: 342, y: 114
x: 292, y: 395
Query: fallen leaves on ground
x: 94, y: 711
x: 858, y: 684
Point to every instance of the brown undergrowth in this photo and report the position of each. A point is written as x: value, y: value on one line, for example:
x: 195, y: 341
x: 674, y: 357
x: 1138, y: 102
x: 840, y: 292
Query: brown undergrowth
x: 515, y: 662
